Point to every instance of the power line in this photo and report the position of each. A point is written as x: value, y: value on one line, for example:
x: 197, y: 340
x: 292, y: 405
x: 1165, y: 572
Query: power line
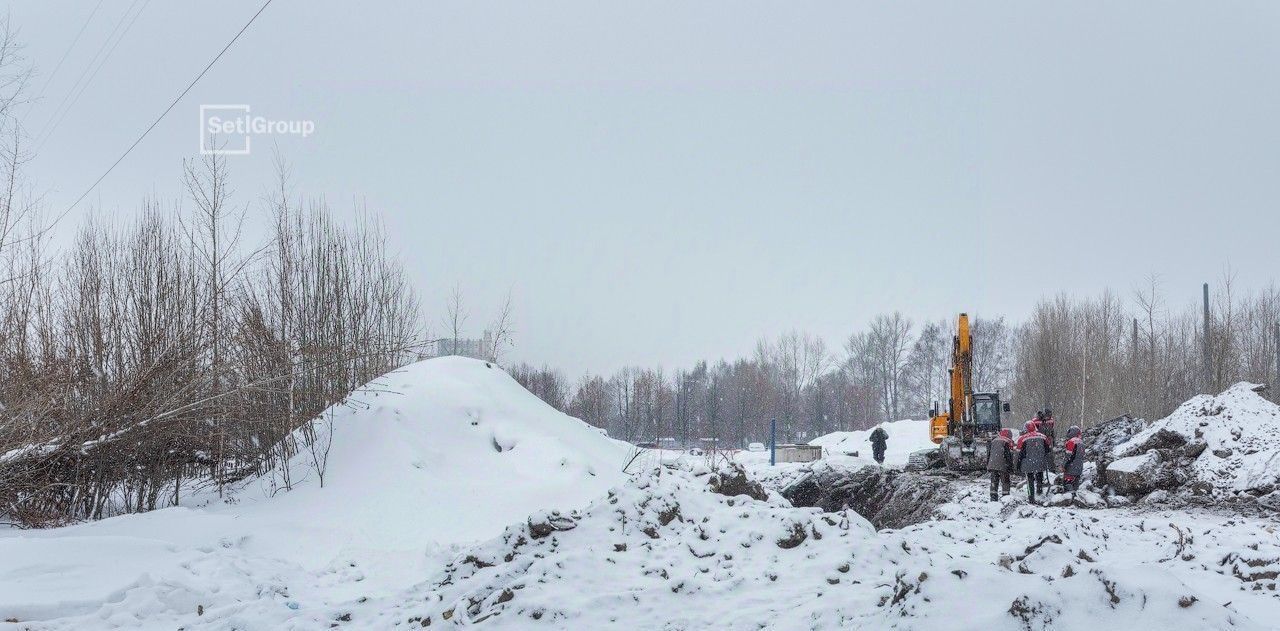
x: 93, y: 76
x: 67, y: 52
x: 166, y: 111
x: 54, y: 116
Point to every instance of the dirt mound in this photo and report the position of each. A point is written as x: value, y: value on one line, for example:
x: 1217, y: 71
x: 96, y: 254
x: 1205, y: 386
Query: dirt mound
x: 685, y: 532
x: 733, y: 480
x: 1212, y: 448
x: 888, y: 498
x: 1101, y: 439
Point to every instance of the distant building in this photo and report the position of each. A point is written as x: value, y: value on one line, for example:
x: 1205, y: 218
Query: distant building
x: 473, y: 348
x: 798, y: 453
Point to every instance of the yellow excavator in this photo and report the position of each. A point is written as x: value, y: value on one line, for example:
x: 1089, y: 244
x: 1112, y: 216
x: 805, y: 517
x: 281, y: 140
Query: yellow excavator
x: 971, y: 420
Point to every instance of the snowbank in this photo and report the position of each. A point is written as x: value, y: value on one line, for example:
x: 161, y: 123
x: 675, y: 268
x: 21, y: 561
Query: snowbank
x: 905, y: 437
x: 1219, y: 445
x: 444, y: 451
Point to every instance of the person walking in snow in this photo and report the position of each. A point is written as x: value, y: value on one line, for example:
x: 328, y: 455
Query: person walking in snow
x: 1033, y: 459
x: 1000, y: 463
x: 879, y: 441
x: 1073, y: 466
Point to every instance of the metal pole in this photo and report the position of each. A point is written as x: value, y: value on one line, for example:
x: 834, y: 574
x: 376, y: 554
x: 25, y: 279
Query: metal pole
x: 1277, y: 384
x: 1208, y: 367
x: 773, y: 442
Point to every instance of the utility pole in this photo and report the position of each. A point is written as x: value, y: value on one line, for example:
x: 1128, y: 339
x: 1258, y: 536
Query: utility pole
x: 1135, y: 382
x: 1277, y: 340
x: 1208, y: 366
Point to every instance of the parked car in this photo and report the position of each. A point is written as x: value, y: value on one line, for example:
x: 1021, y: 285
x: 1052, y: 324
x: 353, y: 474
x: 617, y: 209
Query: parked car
x: 755, y: 447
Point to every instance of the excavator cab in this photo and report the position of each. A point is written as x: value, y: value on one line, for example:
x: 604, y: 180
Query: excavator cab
x: 986, y: 412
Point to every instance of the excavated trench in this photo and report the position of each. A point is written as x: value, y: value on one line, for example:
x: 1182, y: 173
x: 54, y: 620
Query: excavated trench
x: 888, y: 498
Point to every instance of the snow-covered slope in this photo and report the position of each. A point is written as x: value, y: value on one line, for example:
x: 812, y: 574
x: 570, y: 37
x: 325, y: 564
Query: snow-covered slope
x: 445, y: 450
x: 905, y: 438
x: 440, y: 452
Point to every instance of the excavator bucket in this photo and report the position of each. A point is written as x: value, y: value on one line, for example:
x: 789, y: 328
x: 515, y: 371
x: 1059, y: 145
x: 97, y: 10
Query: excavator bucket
x: 957, y: 455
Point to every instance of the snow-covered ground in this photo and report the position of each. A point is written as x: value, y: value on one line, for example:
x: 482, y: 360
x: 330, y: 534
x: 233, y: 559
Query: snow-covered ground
x: 664, y: 552
x: 437, y: 453
x: 439, y: 509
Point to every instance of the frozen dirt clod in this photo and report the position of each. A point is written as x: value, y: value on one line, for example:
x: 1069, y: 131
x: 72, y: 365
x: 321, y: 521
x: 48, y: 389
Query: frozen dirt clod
x: 1139, y: 475
x: 888, y: 498
x: 1101, y: 439
x: 733, y: 480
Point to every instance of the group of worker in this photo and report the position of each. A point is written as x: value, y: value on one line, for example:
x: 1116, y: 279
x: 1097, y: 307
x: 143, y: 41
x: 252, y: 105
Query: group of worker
x: 1032, y: 455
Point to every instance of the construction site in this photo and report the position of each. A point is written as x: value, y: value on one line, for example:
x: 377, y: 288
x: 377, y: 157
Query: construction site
x: 670, y: 316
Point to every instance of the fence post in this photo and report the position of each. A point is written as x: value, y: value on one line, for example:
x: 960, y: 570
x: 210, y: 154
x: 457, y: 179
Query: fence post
x: 773, y: 442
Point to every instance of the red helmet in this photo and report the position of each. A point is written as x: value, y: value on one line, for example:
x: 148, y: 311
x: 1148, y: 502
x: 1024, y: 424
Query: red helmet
x: 1006, y: 433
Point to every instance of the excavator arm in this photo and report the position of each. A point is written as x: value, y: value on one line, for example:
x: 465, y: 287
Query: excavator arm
x: 961, y: 375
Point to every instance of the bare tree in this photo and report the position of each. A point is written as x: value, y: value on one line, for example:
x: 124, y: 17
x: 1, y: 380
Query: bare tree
x: 455, y: 319
x: 500, y: 332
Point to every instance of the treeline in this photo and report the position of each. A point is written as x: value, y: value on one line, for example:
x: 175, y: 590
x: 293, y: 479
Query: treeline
x: 162, y: 354
x: 1089, y: 359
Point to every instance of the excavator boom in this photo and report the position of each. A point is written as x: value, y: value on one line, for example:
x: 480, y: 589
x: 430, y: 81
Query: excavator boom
x: 961, y: 377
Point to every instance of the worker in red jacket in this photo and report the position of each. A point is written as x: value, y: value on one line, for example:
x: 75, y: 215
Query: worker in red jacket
x: 1047, y: 425
x: 1073, y: 466
x: 1037, y: 419
x: 1033, y: 459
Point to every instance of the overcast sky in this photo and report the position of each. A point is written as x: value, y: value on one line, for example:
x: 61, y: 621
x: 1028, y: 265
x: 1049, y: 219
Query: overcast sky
x: 657, y: 182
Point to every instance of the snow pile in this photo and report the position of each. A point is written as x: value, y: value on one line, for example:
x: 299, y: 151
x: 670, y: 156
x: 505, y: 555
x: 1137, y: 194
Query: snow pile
x: 905, y: 437
x: 1225, y: 446
x: 447, y: 450
x: 667, y: 552
x: 635, y: 557
x: 441, y: 452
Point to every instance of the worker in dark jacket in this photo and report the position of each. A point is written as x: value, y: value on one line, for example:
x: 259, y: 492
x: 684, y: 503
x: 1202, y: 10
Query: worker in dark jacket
x: 1033, y: 459
x: 1047, y: 427
x: 879, y: 440
x: 1073, y: 466
x: 1000, y: 462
